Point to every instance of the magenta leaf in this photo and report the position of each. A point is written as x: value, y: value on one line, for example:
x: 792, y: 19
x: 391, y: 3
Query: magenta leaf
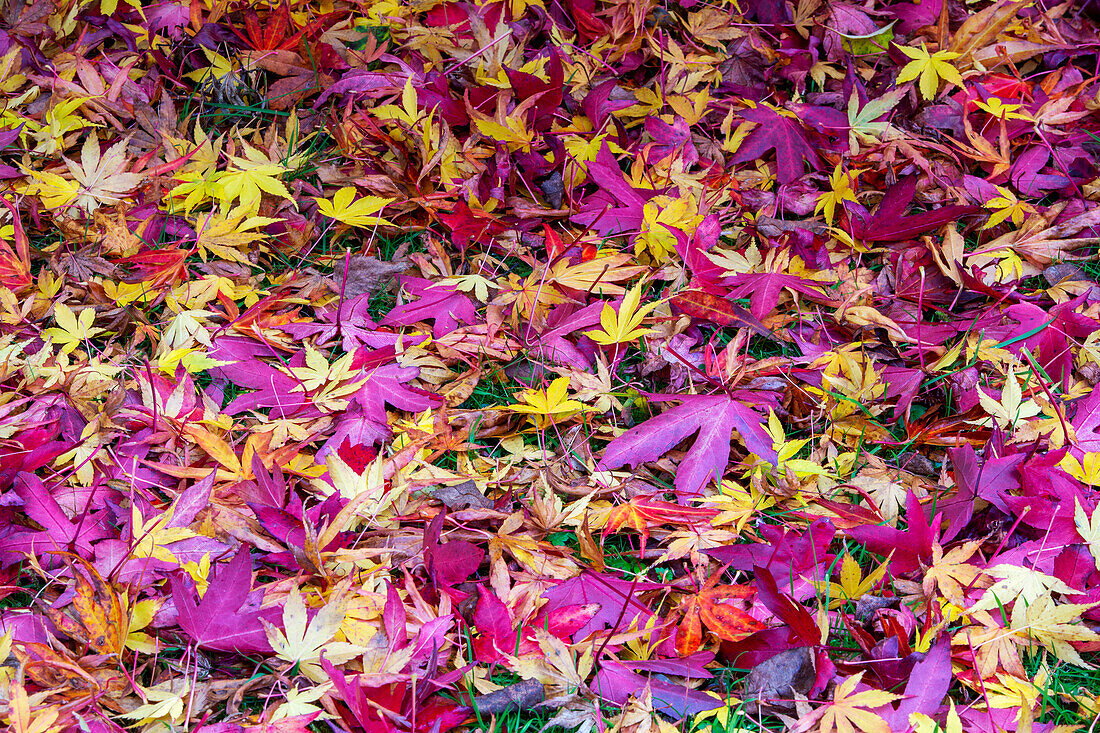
x: 907, y: 547
x: 220, y: 620
x: 714, y: 418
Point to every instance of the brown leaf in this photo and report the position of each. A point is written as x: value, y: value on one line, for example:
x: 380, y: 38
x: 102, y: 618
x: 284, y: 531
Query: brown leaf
x: 522, y: 695
x: 462, y: 495
x: 366, y: 275
x: 774, y: 682
x: 981, y: 29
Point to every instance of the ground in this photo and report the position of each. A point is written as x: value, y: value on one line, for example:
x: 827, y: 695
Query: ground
x: 406, y: 367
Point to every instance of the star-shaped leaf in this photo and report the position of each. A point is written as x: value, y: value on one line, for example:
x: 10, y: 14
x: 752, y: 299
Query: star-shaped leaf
x: 930, y: 68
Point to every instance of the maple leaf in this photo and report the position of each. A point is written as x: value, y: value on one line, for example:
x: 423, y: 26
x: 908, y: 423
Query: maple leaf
x: 514, y: 131
x: 712, y: 26
x: 72, y: 330
x: 1018, y: 584
x: 1087, y: 470
x: 1051, y: 625
x: 852, y: 585
x: 625, y: 324
x: 849, y: 710
x: 662, y: 217
x: 713, y: 606
x: 548, y: 406
x: 101, y: 177
x: 764, y: 288
x: 889, y: 223
x: 640, y: 513
x: 931, y: 68
x: 345, y: 208
x: 164, y: 702
x: 302, y: 642
x: 248, y: 179
x: 779, y: 130
x: 907, y: 548
x: 1089, y: 528
x: 714, y: 418
x: 60, y: 119
x: 221, y: 620
x: 996, y: 107
x: 841, y: 191
x: 151, y: 537
x: 952, y: 572
x: 56, y: 192
x: 863, y: 124
x: 922, y: 723
x: 443, y: 305
x: 227, y: 237
x: 1007, y: 206
x: 1011, y: 408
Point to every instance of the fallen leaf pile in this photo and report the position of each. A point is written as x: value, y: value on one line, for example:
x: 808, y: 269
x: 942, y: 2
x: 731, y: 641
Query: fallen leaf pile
x: 388, y: 366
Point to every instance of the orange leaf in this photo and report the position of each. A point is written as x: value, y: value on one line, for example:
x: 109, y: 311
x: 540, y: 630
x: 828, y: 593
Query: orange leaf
x: 640, y: 513
x: 217, y: 448
x: 726, y: 620
x: 689, y: 635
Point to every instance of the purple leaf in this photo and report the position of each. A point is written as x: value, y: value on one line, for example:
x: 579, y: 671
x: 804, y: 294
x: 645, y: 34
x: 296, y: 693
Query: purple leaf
x: 445, y: 306
x: 927, y: 686
x: 785, y: 135
x: 889, y: 223
x: 714, y: 418
x: 617, y: 599
x: 616, y: 682
x: 219, y: 620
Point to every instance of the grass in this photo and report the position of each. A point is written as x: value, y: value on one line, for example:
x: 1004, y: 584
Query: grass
x: 1055, y: 702
x: 384, y: 248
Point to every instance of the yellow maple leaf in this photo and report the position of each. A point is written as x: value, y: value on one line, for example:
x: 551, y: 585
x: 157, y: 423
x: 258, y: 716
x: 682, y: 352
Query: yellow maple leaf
x: 1007, y: 206
x: 841, y: 190
x: 409, y: 111
x: 165, y: 702
x: 849, y: 710
x: 514, y: 132
x: 852, y: 584
x: 248, y: 179
x: 1001, y: 111
x: 59, y: 121
x: 661, y: 215
x: 921, y: 723
x: 302, y: 642
x: 624, y: 325
x: 54, y: 191
x: 1087, y: 470
x: 72, y: 330
x: 227, y: 237
x: 931, y: 68
x: 1012, y: 407
x: 360, y: 213
x: 548, y: 406
x: 952, y: 571
x: 194, y: 359
x: 1052, y: 625
x: 152, y: 537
